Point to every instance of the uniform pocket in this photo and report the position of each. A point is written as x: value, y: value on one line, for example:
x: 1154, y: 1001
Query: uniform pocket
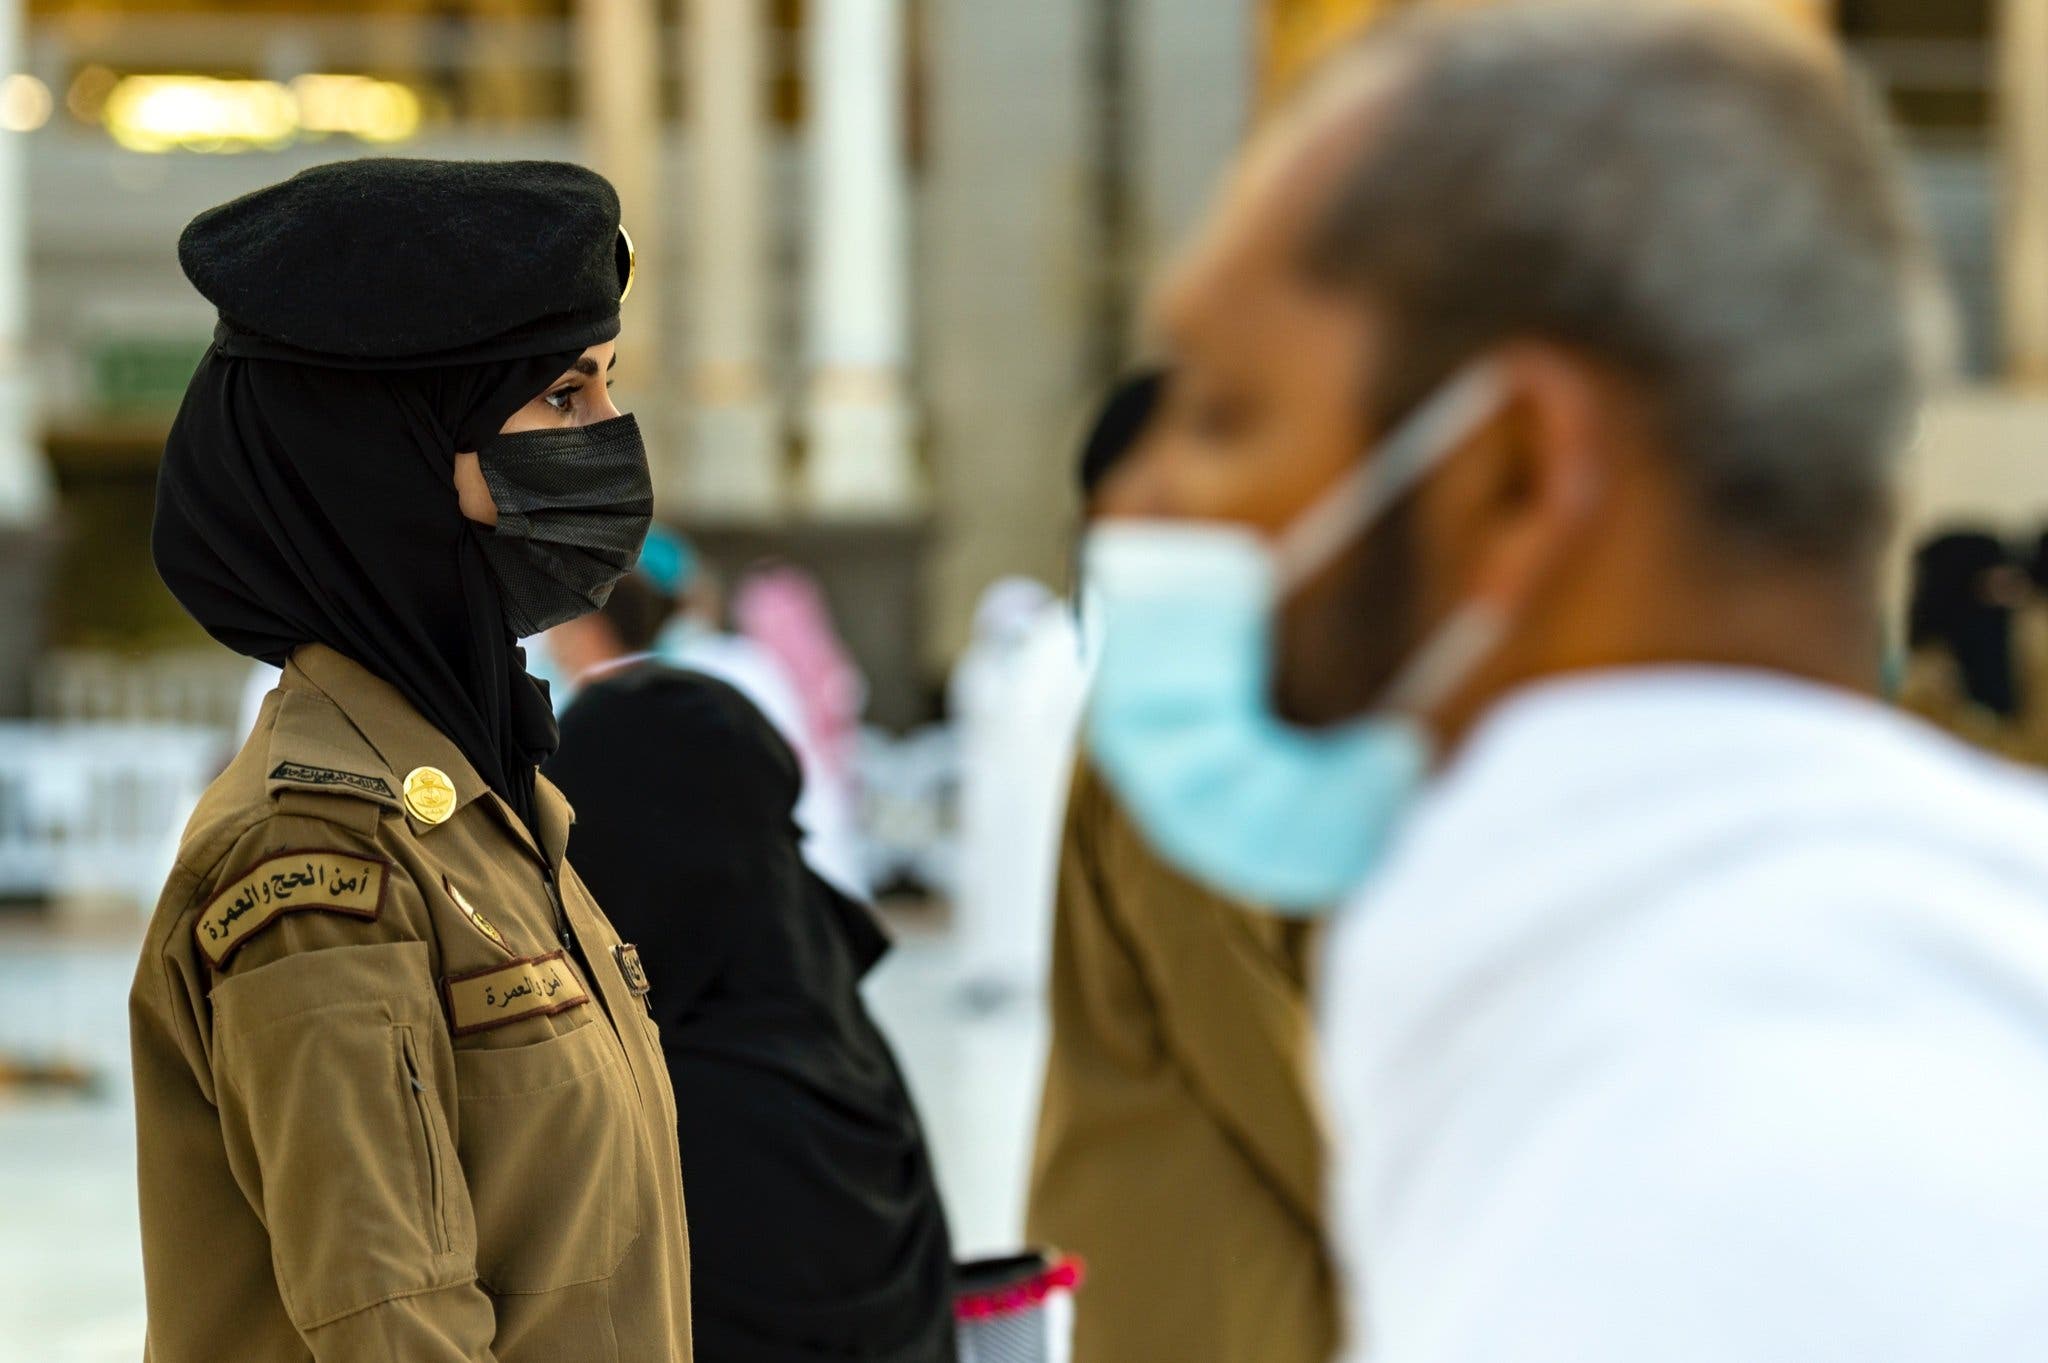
x: 548, y: 1138
x: 434, y: 1189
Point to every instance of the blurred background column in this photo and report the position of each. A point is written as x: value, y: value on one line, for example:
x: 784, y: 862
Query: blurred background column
x: 734, y: 460
x: 618, y: 53
x: 25, y: 493
x: 26, y: 489
x: 498, y: 85
x: 859, y: 460
x: 2022, y: 103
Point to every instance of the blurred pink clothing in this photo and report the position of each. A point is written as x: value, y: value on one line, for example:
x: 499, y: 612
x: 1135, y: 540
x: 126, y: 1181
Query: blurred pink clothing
x: 784, y: 611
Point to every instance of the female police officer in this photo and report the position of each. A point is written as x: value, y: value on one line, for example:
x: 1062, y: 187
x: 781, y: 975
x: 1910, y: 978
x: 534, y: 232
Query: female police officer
x: 397, y: 1091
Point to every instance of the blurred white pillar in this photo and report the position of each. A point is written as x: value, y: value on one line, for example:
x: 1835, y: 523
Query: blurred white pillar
x: 734, y: 466
x: 2022, y: 36
x: 618, y: 49
x: 859, y: 421
x: 25, y: 485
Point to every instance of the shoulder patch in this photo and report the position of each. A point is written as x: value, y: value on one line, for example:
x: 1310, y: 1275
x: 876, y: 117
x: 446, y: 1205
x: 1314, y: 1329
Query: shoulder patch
x: 300, y: 774
x: 290, y: 882
x: 536, y: 986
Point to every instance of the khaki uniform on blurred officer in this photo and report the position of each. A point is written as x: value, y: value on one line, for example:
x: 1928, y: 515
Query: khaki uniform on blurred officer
x: 398, y: 1092
x: 1181, y: 1059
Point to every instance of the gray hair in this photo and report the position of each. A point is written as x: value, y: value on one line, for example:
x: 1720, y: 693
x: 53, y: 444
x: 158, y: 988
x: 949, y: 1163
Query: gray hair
x: 1676, y: 192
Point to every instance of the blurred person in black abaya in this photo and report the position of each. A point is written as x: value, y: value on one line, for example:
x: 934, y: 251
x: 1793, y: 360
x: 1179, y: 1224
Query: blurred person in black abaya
x: 816, y: 1227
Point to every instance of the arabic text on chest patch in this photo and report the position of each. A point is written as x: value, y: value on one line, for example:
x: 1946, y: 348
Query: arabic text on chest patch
x: 290, y: 882
x: 534, y: 987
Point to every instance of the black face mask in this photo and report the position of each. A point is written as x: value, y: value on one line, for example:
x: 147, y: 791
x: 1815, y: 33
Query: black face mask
x: 573, y: 508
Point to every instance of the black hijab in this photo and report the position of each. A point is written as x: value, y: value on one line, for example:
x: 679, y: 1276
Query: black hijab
x: 299, y: 503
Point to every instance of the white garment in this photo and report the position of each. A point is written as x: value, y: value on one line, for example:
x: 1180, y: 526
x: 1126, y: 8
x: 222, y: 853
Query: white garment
x: 1016, y: 699
x: 1699, y: 1016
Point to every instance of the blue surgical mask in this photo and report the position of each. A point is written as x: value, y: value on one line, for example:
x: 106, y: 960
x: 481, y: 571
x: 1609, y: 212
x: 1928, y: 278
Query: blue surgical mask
x: 1180, y: 719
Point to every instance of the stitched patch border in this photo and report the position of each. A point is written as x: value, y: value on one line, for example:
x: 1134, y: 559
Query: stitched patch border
x: 264, y: 897
x: 513, y: 969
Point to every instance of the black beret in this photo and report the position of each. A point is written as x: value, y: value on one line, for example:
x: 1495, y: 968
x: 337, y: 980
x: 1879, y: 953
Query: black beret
x: 386, y: 263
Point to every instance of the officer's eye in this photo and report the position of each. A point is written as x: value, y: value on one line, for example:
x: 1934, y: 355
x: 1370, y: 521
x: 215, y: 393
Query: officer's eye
x: 563, y: 399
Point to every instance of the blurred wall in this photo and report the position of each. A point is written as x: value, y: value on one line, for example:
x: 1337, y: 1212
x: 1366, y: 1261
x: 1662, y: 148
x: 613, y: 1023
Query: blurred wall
x: 1981, y: 457
x: 1001, y: 308
x: 1002, y: 265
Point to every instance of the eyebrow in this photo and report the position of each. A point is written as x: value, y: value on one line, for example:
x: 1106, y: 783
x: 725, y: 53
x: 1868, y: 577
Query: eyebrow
x: 588, y: 367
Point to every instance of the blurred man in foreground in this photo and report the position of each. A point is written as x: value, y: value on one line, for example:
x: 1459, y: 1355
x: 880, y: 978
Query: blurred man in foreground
x: 1538, y: 384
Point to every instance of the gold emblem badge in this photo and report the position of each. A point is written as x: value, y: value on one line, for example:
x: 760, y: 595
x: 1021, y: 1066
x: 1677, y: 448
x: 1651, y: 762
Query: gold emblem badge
x: 624, y: 247
x: 429, y: 795
x: 475, y: 915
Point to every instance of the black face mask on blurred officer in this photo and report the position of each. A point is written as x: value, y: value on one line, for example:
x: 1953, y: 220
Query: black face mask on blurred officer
x: 573, y: 508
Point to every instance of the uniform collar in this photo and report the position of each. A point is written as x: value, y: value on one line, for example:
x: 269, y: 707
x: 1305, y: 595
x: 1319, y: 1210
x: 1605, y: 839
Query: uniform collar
x: 405, y: 741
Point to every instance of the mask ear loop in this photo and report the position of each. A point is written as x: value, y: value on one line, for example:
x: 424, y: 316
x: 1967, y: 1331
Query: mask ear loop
x: 1451, y: 654
x: 1444, y: 421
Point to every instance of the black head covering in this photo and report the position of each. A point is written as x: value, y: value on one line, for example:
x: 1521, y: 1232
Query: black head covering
x: 1951, y: 610
x: 383, y: 263
x: 308, y: 496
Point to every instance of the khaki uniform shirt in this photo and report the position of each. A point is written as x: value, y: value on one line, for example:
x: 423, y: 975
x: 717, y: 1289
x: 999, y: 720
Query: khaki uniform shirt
x: 383, y: 1112
x: 1180, y: 1142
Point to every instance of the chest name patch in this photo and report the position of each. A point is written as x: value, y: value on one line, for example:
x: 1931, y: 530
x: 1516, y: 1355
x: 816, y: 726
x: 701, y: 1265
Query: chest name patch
x: 290, y: 882
x: 537, y: 986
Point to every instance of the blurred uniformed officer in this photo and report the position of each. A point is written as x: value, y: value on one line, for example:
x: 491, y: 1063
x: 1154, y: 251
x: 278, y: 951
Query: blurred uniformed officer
x: 398, y: 1093
x: 1180, y: 1058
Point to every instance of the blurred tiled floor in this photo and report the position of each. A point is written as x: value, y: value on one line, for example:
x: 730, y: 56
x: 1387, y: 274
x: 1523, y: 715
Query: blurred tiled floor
x: 70, y: 1266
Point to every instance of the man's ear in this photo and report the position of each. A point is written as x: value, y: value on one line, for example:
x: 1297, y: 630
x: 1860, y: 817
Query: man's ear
x: 1551, y: 472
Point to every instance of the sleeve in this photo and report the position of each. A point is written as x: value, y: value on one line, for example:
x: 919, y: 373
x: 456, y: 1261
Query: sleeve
x: 1231, y: 1012
x: 333, y: 1073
